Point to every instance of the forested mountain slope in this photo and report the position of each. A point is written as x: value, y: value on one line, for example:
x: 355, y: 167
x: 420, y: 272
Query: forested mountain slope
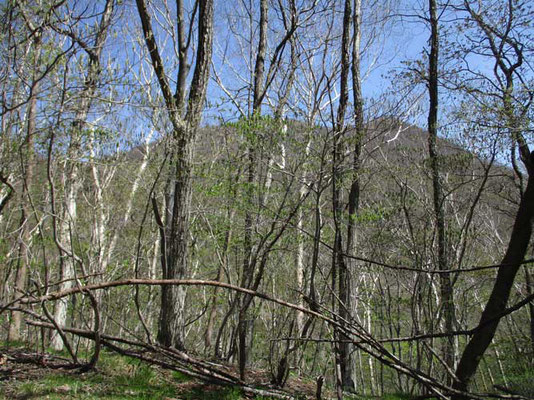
x: 228, y: 190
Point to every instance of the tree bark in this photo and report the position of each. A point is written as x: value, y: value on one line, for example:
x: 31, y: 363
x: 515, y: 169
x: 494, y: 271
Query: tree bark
x: 354, y: 197
x: 248, y: 267
x: 176, y: 232
x: 446, y: 290
x: 515, y: 254
x: 340, y: 272
x: 530, y: 290
x: 27, y: 156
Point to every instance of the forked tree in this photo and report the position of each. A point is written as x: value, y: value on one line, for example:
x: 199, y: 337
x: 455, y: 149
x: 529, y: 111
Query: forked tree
x: 184, y: 107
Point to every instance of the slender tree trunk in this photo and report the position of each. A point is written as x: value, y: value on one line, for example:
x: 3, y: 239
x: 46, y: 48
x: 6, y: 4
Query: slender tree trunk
x: 446, y: 290
x: 354, y: 197
x: 248, y: 267
x: 67, y: 262
x: 339, y: 266
x: 27, y: 156
x: 71, y: 180
x: 300, y: 257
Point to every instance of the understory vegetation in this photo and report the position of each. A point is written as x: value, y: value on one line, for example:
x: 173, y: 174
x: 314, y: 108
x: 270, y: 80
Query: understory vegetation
x: 116, y: 377
x: 266, y: 199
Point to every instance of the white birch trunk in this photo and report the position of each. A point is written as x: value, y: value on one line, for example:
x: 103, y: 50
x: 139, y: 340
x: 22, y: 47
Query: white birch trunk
x: 71, y: 183
x: 70, y: 176
x: 129, y: 205
x: 300, y: 251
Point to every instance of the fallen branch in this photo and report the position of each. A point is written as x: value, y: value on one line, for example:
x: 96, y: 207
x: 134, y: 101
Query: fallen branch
x: 509, y: 391
x: 366, y: 342
x: 200, y: 369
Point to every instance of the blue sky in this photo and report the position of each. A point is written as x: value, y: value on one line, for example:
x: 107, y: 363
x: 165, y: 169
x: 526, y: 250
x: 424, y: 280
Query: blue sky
x: 400, y: 39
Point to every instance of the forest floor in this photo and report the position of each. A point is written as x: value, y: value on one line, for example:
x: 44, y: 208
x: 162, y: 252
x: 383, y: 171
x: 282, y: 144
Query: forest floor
x: 27, y: 374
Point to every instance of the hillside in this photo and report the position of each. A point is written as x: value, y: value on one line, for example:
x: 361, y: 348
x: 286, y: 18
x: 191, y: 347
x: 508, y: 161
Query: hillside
x: 227, y: 199
x: 395, y: 236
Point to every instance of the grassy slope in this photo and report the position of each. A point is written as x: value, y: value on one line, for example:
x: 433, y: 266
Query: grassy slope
x: 116, y: 378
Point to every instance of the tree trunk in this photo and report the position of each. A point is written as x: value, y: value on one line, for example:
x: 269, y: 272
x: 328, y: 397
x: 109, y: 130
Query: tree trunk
x: 339, y: 266
x: 27, y: 161
x: 171, y: 322
x: 515, y: 254
x: 248, y: 268
x: 354, y: 196
x: 178, y: 198
x: 71, y: 181
x: 446, y: 290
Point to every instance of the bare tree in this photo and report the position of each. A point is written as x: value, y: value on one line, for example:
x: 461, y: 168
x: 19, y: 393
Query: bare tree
x: 446, y: 289
x: 340, y: 275
x: 71, y: 181
x: 185, y: 118
x: 265, y: 65
x: 506, y: 49
x: 27, y: 160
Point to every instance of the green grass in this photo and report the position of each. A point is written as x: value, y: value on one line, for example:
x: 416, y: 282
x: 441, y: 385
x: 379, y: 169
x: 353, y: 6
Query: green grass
x: 180, y: 377
x: 116, y: 378
x: 521, y: 383
x: 124, y: 378
x: 142, y: 384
